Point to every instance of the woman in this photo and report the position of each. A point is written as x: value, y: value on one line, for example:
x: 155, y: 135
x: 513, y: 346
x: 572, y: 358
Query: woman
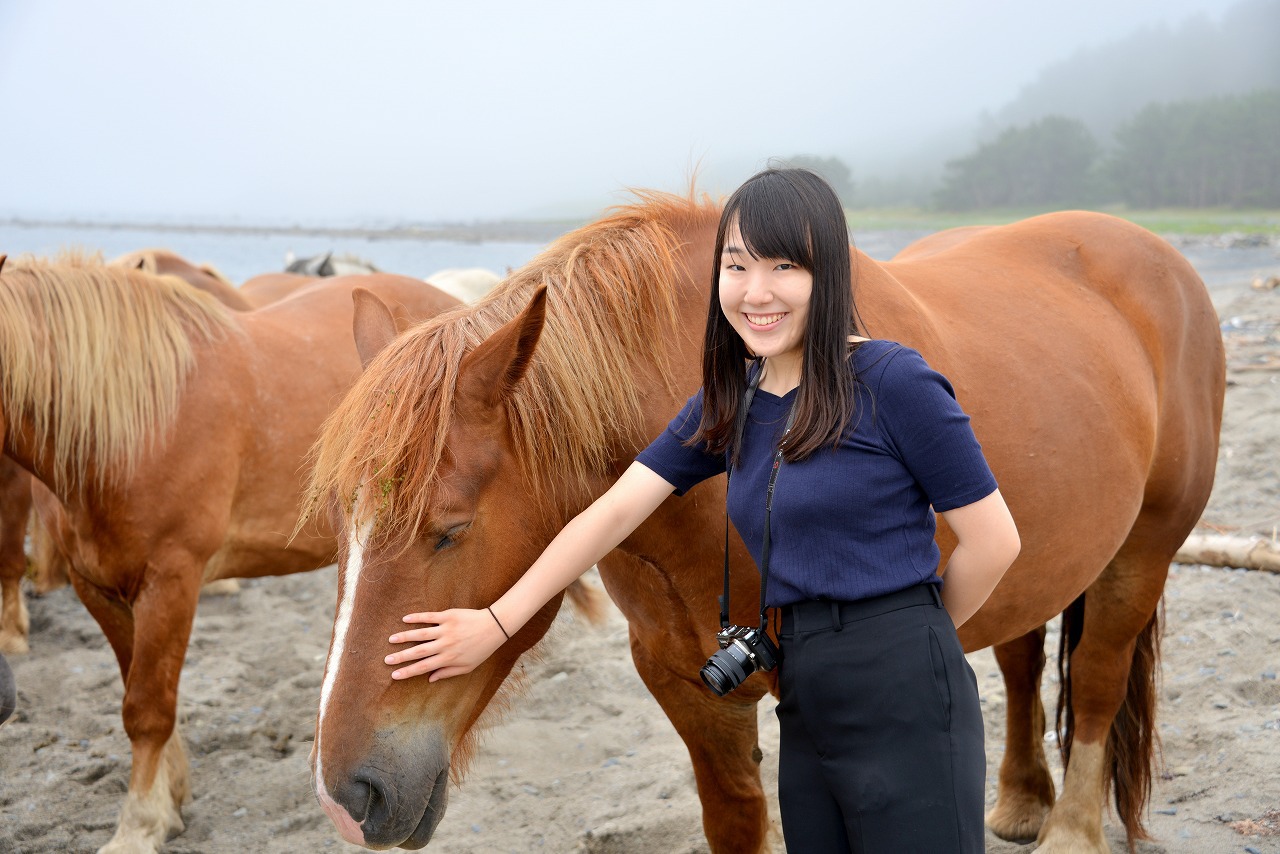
x: 881, y: 743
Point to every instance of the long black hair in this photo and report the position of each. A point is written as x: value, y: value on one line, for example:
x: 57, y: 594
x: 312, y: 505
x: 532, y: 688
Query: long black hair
x: 792, y: 214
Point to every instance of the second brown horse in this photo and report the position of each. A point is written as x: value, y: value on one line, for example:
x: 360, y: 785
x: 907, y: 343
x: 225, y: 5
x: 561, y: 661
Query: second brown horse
x: 173, y: 431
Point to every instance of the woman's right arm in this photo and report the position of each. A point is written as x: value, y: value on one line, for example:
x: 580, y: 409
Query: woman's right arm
x: 458, y: 640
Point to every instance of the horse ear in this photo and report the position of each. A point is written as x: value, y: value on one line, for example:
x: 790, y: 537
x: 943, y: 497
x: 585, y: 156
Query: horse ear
x: 372, y: 323
x: 3, y: 258
x: 141, y: 265
x: 491, y: 371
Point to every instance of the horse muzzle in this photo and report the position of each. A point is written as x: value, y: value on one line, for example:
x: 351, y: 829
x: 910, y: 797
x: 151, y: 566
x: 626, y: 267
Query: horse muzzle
x: 395, y: 796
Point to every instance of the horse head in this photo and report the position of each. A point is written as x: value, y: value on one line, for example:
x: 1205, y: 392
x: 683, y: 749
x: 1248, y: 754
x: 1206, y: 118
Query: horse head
x: 420, y: 535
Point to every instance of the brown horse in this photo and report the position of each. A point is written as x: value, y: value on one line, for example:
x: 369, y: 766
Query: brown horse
x: 49, y: 551
x: 1085, y: 349
x: 173, y: 432
x: 162, y: 262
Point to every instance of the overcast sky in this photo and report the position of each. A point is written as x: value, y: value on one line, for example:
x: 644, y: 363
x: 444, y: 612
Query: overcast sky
x: 361, y: 111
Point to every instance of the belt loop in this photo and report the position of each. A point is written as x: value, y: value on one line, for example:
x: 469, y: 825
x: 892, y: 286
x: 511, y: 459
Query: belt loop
x: 835, y: 616
x: 937, y: 596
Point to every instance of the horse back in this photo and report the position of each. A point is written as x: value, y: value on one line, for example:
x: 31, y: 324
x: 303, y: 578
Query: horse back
x: 1087, y: 354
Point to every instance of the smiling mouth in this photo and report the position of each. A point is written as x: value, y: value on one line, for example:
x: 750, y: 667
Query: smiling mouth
x: 762, y: 320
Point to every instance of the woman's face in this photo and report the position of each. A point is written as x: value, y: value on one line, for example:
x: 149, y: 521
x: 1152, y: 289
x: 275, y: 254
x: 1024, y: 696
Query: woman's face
x: 766, y: 300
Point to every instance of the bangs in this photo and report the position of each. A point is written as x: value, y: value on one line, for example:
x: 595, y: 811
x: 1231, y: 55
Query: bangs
x: 774, y: 222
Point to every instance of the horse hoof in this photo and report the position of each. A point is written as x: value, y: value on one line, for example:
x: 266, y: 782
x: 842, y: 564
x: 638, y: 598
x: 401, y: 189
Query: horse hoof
x: 1061, y: 841
x: 129, y: 846
x: 13, y: 643
x: 1017, y: 819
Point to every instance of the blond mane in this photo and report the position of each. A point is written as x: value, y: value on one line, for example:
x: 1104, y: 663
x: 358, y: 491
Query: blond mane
x: 96, y: 356
x: 611, y: 308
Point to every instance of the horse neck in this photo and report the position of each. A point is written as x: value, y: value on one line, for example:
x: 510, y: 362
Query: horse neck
x: 17, y: 438
x: 889, y: 308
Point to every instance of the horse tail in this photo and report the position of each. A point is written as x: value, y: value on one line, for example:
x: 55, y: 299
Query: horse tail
x: 1068, y: 640
x: 1132, y: 741
x: 587, y: 600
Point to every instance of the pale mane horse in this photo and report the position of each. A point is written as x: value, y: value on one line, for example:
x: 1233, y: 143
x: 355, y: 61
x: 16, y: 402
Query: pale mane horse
x: 48, y: 548
x: 173, y: 432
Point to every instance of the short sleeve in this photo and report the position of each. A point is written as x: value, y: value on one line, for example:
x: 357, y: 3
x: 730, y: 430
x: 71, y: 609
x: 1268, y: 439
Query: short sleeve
x: 679, y: 464
x: 917, y: 409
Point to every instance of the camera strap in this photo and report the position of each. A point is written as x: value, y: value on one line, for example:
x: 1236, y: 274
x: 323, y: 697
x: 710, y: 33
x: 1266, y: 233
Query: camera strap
x: 740, y: 429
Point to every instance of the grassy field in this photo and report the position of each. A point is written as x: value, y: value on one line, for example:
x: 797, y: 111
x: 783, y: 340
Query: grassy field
x: 1162, y: 221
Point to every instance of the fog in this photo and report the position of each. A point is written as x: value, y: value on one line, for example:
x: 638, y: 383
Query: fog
x: 392, y: 112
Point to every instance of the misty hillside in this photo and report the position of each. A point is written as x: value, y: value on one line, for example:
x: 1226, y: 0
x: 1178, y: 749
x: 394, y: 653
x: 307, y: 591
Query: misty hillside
x: 1107, y: 85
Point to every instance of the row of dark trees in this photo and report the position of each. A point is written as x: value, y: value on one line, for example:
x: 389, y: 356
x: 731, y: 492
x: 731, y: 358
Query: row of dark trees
x: 1221, y: 151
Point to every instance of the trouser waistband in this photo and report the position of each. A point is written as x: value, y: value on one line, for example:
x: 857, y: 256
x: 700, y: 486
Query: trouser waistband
x: 819, y: 614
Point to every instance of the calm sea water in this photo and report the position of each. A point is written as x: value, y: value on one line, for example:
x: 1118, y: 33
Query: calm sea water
x: 240, y: 256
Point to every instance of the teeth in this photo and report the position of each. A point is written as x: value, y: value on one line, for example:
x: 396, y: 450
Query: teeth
x: 765, y: 319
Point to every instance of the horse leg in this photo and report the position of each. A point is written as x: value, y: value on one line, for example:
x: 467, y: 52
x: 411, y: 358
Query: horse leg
x: 1110, y: 679
x: 50, y: 535
x: 15, y: 508
x: 720, y: 734
x: 150, y: 642
x: 1026, y: 793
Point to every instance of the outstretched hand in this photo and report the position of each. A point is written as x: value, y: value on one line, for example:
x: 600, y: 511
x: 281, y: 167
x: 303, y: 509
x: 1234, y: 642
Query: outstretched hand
x: 451, y: 643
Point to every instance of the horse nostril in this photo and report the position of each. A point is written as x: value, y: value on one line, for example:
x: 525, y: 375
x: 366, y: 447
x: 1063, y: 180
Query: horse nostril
x: 359, y: 795
x: 369, y: 796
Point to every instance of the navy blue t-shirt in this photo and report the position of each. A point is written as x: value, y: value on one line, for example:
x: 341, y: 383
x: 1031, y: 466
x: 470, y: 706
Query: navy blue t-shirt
x: 854, y: 521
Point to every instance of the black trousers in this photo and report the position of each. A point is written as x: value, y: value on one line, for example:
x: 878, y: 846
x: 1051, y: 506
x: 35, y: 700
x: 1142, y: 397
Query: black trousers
x: 881, y: 731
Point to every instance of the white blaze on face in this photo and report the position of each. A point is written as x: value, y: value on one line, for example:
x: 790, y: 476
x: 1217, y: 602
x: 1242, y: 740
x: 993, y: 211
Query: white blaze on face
x: 342, y: 624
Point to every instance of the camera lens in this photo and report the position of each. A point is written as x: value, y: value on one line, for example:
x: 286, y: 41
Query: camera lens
x: 725, y: 670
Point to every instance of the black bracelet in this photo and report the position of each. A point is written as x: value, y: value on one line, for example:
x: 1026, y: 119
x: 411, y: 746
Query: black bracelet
x: 496, y: 620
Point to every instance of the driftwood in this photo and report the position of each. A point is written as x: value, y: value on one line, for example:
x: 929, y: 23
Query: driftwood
x: 1220, y: 550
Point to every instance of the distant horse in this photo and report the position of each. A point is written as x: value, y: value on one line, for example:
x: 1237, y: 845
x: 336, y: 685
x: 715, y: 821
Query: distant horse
x: 173, y: 431
x: 267, y: 288
x: 8, y: 692
x: 1085, y: 349
x: 254, y: 293
x: 328, y: 264
x: 467, y: 284
x: 162, y: 262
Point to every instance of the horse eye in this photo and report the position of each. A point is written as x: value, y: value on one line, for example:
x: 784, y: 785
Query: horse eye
x: 450, y: 537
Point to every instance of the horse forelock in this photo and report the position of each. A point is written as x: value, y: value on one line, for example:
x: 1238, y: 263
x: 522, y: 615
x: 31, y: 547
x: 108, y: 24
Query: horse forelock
x: 97, y: 356
x: 612, y: 304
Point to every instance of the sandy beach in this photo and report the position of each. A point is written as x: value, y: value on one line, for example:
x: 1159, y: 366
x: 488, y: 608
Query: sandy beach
x: 585, y: 760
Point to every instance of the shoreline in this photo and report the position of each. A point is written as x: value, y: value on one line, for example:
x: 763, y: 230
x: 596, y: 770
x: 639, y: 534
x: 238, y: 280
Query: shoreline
x: 520, y: 231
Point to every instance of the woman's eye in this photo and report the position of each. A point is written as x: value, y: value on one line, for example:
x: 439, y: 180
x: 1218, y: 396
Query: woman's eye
x: 736, y: 268
x: 786, y: 266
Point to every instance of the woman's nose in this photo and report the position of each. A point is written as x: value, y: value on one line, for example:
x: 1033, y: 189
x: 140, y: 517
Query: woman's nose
x: 757, y: 291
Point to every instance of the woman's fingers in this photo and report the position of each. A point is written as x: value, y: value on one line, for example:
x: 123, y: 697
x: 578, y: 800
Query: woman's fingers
x: 416, y: 635
x: 426, y: 617
x: 455, y: 642
x: 413, y: 653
